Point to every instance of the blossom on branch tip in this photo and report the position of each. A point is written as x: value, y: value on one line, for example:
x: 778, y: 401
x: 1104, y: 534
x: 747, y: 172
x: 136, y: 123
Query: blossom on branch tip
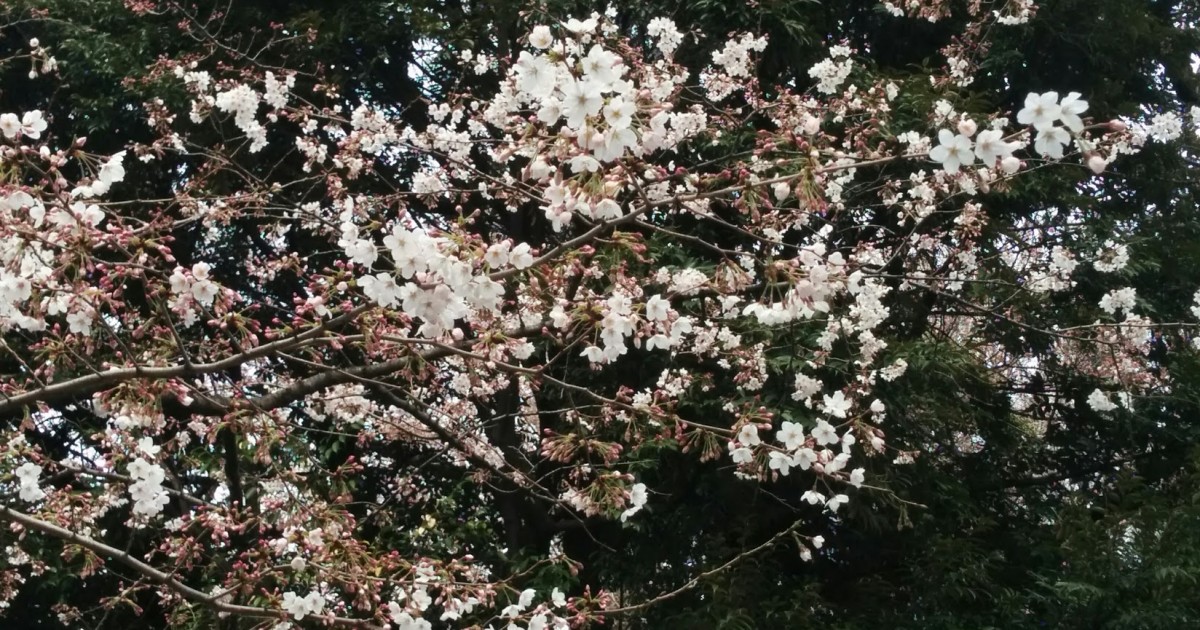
x: 1040, y: 111
x: 748, y: 435
x: 33, y: 124
x: 837, y: 405
x: 637, y: 500
x: 741, y: 454
x: 581, y: 27
x: 300, y: 607
x: 791, y: 434
x: 10, y: 125
x: 990, y: 147
x: 28, y: 475
x: 953, y: 151
x: 837, y: 501
x: 781, y: 462
x: 540, y: 37
x: 824, y: 433
x: 857, y: 476
x: 1051, y: 141
x: 1070, y: 109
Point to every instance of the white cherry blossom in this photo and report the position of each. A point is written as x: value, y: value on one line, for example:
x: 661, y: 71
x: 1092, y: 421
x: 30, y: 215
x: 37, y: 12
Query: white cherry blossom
x: 953, y: 151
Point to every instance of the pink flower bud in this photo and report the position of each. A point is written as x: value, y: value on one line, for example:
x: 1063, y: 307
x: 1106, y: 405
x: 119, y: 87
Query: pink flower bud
x: 966, y: 127
x: 1117, y: 125
x: 1010, y: 165
x: 1097, y: 164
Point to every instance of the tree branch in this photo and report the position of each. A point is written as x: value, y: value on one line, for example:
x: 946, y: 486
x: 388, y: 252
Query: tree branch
x: 165, y: 579
x: 92, y: 383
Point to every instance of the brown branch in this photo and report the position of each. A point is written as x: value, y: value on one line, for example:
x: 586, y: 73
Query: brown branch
x: 695, y: 581
x: 165, y: 579
x: 220, y: 405
x: 92, y: 383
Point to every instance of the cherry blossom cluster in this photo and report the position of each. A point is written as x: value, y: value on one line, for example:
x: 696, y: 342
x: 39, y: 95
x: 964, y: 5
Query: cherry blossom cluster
x: 147, y: 491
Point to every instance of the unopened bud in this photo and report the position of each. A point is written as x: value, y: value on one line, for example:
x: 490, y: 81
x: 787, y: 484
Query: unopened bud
x: 1097, y: 164
x: 1117, y: 125
x: 966, y: 127
x: 1010, y: 165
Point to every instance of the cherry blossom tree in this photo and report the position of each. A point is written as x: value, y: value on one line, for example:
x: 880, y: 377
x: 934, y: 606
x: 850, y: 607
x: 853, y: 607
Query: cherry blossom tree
x: 462, y: 339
